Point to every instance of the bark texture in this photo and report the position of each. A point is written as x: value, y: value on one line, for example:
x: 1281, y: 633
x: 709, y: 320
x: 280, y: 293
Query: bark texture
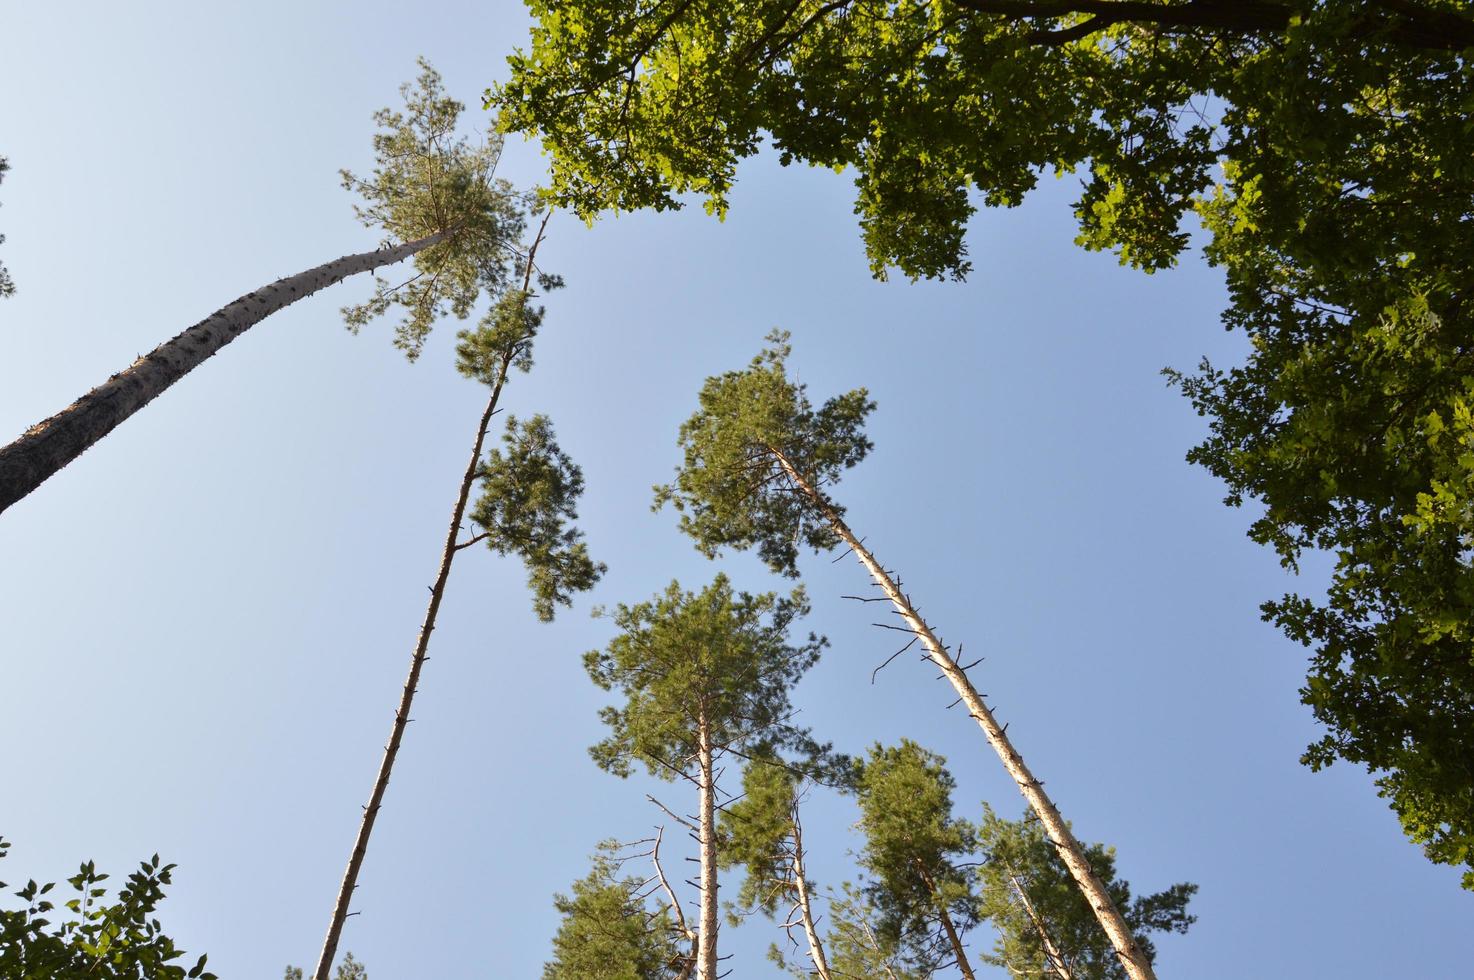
x: 47, y: 446
x: 1132, y: 959
x: 406, y: 698
x: 706, y: 946
x: 959, y: 953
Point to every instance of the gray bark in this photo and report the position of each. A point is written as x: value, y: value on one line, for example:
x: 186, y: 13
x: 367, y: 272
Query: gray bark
x: 816, y: 948
x: 1132, y: 959
x: 47, y: 446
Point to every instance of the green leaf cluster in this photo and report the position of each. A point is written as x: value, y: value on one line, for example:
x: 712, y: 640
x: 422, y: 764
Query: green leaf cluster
x: 607, y: 932
x: 719, y: 655
x: 1018, y: 850
x: 427, y: 180
x: 529, y: 496
x: 757, y: 832
x: 121, y: 940
x: 732, y: 489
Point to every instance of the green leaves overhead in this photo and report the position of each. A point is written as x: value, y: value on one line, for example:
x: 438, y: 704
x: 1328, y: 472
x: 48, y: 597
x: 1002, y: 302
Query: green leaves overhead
x: 429, y: 181
x: 529, y: 496
x: 1017, y: 855
x: 606, y: 932
x: 732, y: 488
x: 715, y: 654
x: 757, y: 830
x: 120, y: 941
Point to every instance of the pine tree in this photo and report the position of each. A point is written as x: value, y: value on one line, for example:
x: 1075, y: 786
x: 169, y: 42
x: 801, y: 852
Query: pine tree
x: 1044, y: 926
x: 528, y: 496
x: 704, y: 675
x: 917, y: 856
x: 432, y: 195
x: 758, y: 460
x: 762, y: 832
x: 607, y: 931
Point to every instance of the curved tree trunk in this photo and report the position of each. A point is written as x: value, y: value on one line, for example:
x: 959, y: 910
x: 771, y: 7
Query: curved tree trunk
x: 406, y: 699
x: 706, y: 940
x: 1137, y: 966
x: 47, y: 446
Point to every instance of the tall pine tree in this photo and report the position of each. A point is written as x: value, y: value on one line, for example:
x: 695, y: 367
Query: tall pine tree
x: 704, y: 675
x: 758, y: 461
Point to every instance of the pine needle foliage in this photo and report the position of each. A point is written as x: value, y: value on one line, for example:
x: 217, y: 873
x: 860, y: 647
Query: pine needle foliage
x: 719, y: 654
x: 916, y: 853
x: 427, y: 181
x: 1019, y: 851
x: 757, y: 833
x: 855, y: 945
x: 732, y: 488
x: 529, y: 495
x: 607, y: 933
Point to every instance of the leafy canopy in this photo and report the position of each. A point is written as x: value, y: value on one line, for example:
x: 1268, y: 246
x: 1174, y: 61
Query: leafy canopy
x: 855, y: 946
x: 932, y: 105
x: 1322, y: 143
x: 529, y: 495
x: 606, y: 932
x: 427, y: 181
x: 118, y: 941
x: 1018, y: 850
x: 732, y: 488
x: 915, y: 851
x: 716, y: 656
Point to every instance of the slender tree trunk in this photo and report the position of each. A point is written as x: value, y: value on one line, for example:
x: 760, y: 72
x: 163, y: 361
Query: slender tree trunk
x: 47, y: 446
x: 1051, y: 951
x: 1132, y: 959
x: 406, y: 698
x: 953, y: 938
x: 816, y: 948
x: 706, y: 948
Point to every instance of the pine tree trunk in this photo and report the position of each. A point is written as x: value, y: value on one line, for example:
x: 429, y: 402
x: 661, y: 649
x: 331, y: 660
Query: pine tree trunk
x: 953, y: 939
x: 706, y: 949
x: 406, y: 699
x: 47, y: 446
x: 1051, y: 952
x: 1132, y: 959
x: 816, y: 948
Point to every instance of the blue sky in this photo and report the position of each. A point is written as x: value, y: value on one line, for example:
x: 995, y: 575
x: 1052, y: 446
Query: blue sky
x: 207, y: 618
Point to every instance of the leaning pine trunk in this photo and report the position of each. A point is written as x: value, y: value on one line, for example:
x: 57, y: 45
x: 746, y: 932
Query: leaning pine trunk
x: 401, y: 716
x: 816, y: 948
x: 1132, y: 959
x: 706, y: 946
x: 953, y: 939
x: 47, y: 446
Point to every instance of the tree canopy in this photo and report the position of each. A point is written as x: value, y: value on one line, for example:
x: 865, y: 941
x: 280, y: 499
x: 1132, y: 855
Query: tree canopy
x: 1322, y: 144
x: 118, y: 941
x: 731, y: 489
x: 719, y: 653
x: 606, y: 932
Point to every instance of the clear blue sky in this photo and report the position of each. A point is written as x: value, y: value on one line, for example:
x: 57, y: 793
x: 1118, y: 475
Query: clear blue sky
x: 204, y: 622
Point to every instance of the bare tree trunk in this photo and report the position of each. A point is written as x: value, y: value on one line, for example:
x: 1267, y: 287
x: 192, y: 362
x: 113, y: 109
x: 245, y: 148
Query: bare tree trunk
x: 422, y: 644
x: 47, y: 446
x: 1051, y: 951
x: 816, y: 948
x: 1132, y: 959
x: 688, y: 962
x: 953, y: 939
x: 706, y: 948
x: 406, y: 699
